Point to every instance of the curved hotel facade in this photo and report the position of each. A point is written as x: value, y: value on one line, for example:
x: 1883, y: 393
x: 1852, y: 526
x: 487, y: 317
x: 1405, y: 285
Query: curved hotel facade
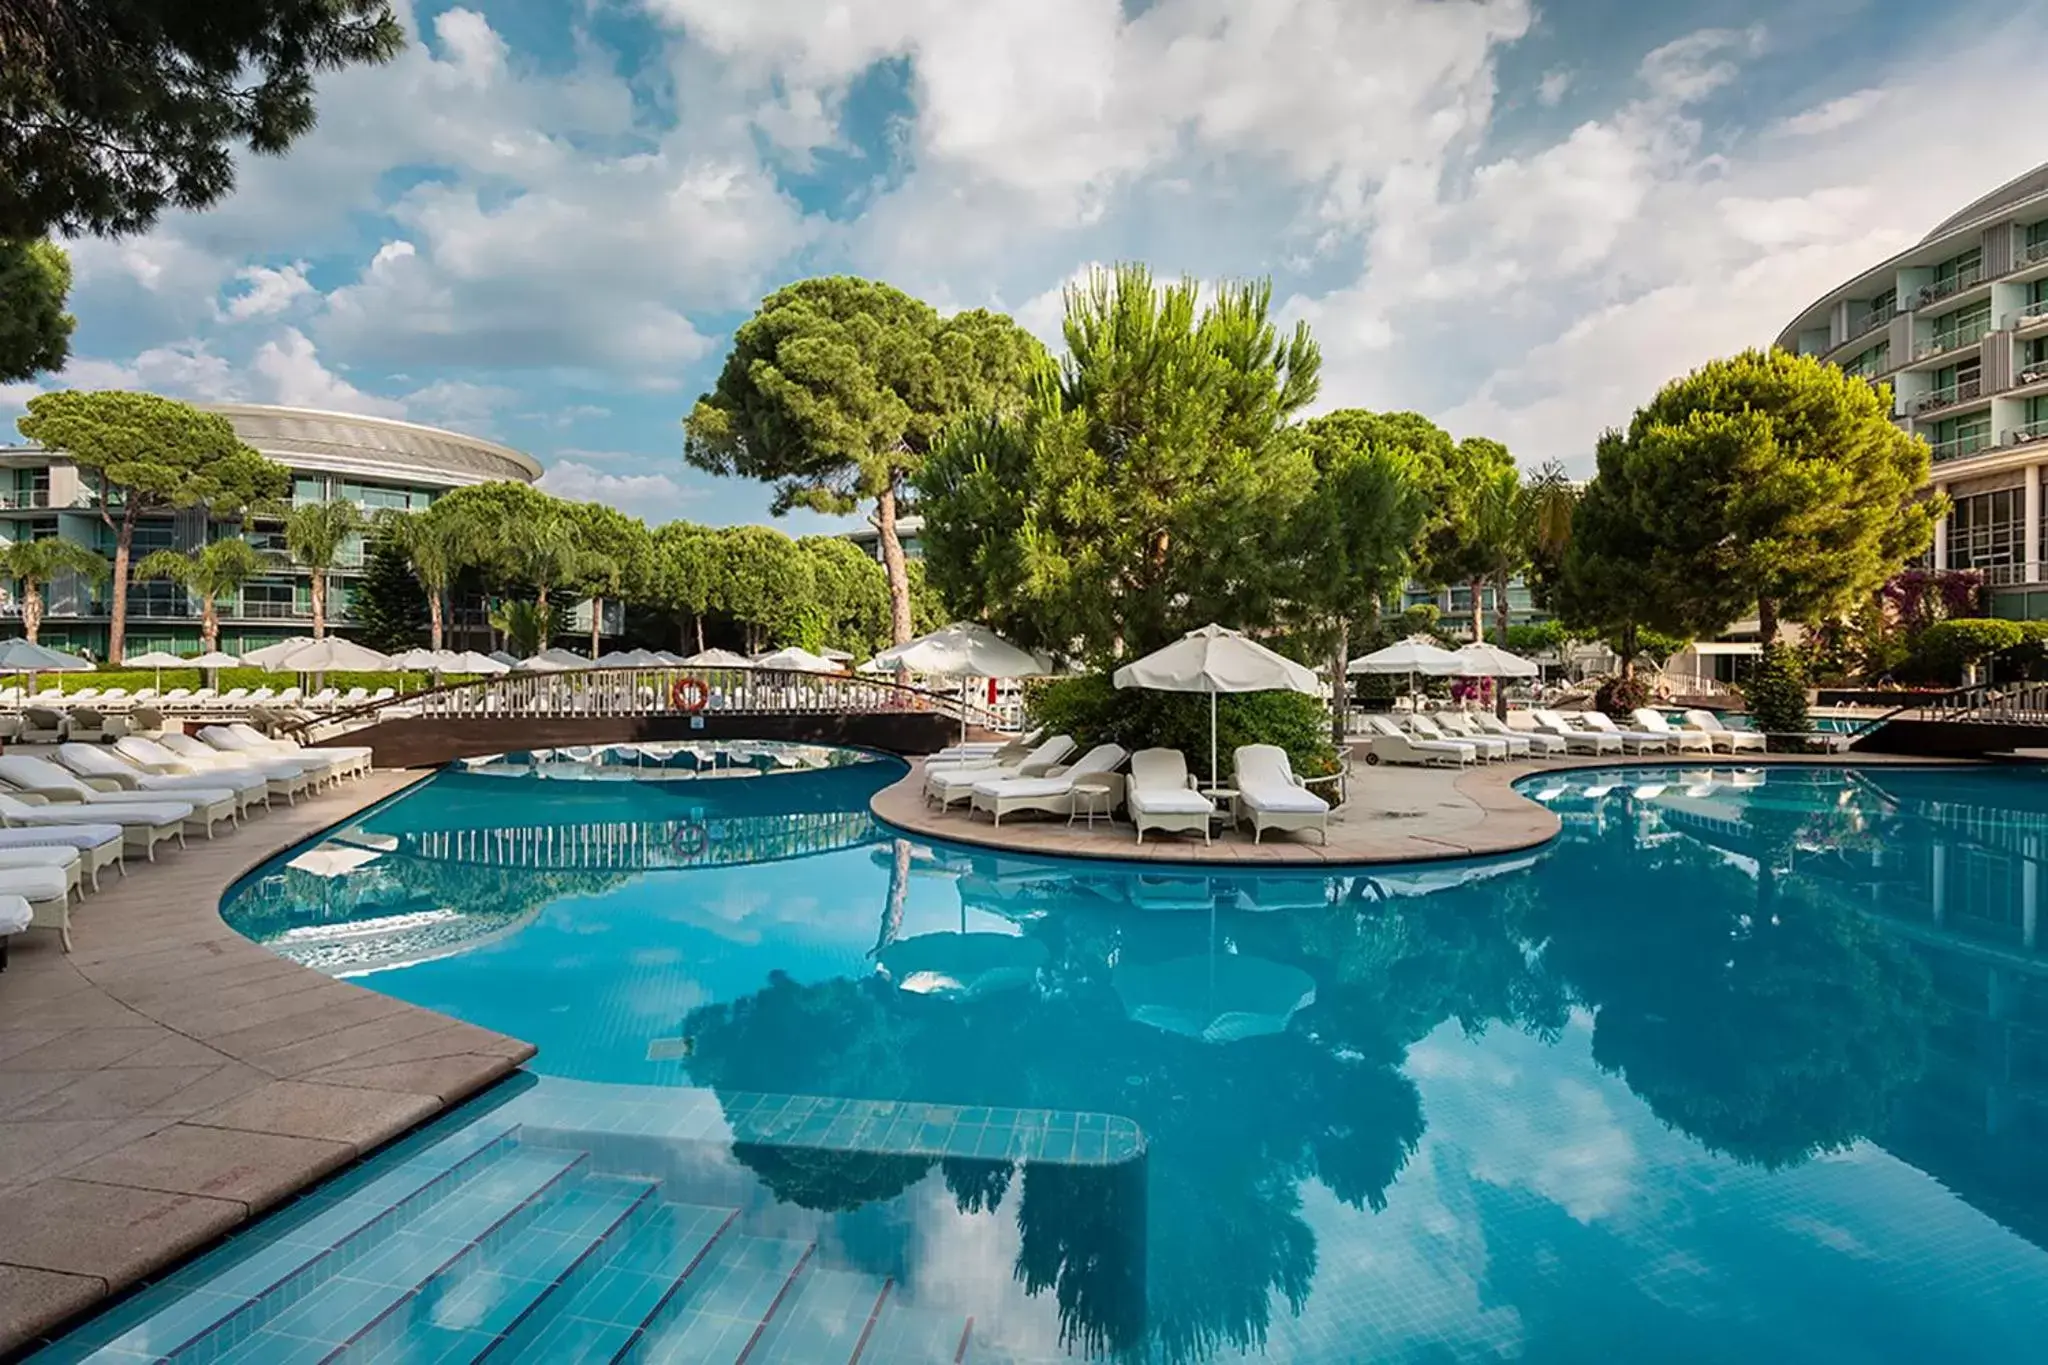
x: 1958, y: 326
x: 374, y: 462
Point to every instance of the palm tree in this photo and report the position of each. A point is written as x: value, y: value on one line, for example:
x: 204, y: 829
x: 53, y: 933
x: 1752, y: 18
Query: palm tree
x: 35, y: 562
x: 526, y: 625
x: 438, y: 545
x: 209, y: 573
x: 1500, y: 542
x: 546, y: 553
x: 313, y: 536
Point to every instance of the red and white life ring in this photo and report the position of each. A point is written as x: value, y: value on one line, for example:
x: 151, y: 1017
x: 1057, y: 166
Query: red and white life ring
x: 689, y: 695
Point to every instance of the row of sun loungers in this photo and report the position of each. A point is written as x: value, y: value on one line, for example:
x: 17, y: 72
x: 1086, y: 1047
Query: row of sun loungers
x: 1461, y: 738
x: 183, y: 700
x: 66, y: 818
x: 1026, y: 776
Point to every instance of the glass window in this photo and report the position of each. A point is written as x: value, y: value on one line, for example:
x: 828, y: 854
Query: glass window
x: 1960, y: 269
x: 309, y: 488
x: 1985, y: 531
x: 2037, y: 233
x: 1963, y: 326
x: 1872, y: 362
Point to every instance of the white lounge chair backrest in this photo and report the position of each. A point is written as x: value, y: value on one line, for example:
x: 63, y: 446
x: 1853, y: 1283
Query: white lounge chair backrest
x: 1426, y: 727
x: 1551, y: 720
x: 1264, y: 767
x: 1103, y: 758
x: 36, y: 774
x: 1046, y: 755
x: 1653, y: 721
x: 1601, y: 721
x: 1707, y: 721
x: 1384, y: 725
x: 147, y: 751
x: 90, y: 758
x: 1159, y: 770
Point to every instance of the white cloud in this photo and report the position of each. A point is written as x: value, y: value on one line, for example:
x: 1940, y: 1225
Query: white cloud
x: 654, y: 498
x: 269, y: 292
x: 1555, y: 85
x: 1831, y: 115
x: 289, y: 371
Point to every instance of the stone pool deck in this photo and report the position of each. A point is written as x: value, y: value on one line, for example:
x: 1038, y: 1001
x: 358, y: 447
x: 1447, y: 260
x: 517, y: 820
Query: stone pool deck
x: 168, y: 1079
x: 1394, y: 815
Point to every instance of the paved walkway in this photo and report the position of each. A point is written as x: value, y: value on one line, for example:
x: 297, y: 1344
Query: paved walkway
x: 1394, y: 815
x: 169, y: 1079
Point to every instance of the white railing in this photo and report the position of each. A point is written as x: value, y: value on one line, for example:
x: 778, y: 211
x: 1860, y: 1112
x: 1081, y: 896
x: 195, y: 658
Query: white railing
x: 1865, y: 323
x: 598, y: 693
x: 1960, y: 446
x: 2025, y: 435
x: 1962, y: 279
x: 1960, y: 392
x: 2025, y: 254
x: 2032, y: 315
x: 1955, y: 338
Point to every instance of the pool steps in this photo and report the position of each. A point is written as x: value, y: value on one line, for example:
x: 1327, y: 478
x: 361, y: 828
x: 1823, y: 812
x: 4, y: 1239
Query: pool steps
x: 481, y: 1247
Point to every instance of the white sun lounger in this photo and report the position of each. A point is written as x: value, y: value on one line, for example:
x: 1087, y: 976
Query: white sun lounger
x: 48, y: 893
x: 1389, y: 743
x: 284, y: 779
x: 1688, y: 741
x: 216, y: 744
x: 16, y: 917
x: 1576, y: 740
x: 948, y: 785
x: 348, y: 758
x: 248, y: 789
x: 1638, y: 741
x: 1162, y: 796
x: 1273, y: 797
x: 98, y: 845
x: 204, y: 807
x: 1463, y: 726
x: 1721, y: 737
x: 143, y: 826
x: 1540, y: 742
x: 1490, y: 748
x: 1053, y: 794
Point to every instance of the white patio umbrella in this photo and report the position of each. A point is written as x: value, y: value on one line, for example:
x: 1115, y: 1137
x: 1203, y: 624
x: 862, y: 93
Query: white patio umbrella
x: 417, y: 660
x: 796, y: 659
x: 469, y: 661
x: 718, y: 658
x: 1215, y: 659
x: 158, y: 659
x: 332, y: 654
x: 19, y: 656
x: 1416, y: 654
x: 552, y: 661
x: 261, y: 658
x: 837, y: 656
x: 627, y: 658
x: 213, y: 661
x: 964, y: 650
x: 1482, y: 660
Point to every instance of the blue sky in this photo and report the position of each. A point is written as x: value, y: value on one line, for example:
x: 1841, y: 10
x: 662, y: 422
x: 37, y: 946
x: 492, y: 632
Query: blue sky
x: 542, y: 222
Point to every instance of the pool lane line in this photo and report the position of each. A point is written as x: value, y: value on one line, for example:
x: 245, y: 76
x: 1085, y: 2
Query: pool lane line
x: 670, y: 1292
x: 775, y: 1304
x: 966, y: 1335
x: 888, y: 1282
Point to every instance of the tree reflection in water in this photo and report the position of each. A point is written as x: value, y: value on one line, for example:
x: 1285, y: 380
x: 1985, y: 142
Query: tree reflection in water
x: 1747, y: 1005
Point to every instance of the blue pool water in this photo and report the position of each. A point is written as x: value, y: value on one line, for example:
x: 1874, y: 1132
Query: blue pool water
x: 1746, y: 1066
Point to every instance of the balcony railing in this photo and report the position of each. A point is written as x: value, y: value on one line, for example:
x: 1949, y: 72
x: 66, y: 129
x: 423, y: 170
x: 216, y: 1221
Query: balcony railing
x: 2031, y: 372
x: 38, y: 497
x: 2028, y: 434
x: 2025, y: 254
x: 1961, y: 446
x: 1865, y: 323
x: 2033, y: 315
x: 1960, y: 392
x: 1955, y: 338
x: 1956, y: 284
x: 282, y: 611
x: 154, y: 608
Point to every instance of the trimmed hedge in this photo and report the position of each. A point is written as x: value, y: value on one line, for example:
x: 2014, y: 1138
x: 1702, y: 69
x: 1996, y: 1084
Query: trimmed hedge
x: 1094, y: 710
x: 135, y: 679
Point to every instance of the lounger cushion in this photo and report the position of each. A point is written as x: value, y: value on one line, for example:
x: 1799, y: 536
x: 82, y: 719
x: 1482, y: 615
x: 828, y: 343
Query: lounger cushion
x: 1182, y: 802
x: 15, y: 916
x: 1024, y: 787
x: 1283, y: 799
x: 61, y: 836
x: 36, y: 883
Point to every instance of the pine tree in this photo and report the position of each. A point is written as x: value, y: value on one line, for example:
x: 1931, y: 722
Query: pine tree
x: 390, y: 604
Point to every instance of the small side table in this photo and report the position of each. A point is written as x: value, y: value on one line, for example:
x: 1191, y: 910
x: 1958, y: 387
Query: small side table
x: 1093, y: 797
x: 1226, y: 805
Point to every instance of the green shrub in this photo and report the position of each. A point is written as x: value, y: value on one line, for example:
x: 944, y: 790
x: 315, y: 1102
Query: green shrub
x: 1945, y: 649
x: 134, y: 679
x: 1620, y: 695
x: 1776, y: 692
x: 1095, y: 710
x: 2028, y: 659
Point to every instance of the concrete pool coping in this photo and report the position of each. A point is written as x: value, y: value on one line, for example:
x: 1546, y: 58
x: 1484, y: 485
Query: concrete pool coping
x: 169, y: 1079
x: 1395, y: 814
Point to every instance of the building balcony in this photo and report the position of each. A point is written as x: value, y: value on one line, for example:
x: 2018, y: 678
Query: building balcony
x: 1941, y: 289
x: 1864, y: 324
x: 1961, y: 392
x: 2028, y: 318
x: 1962, y: 446
x: 12, y: 501
x: 2027, y: 255
x: 2028, y: 434
x: 1955, y: 339
x: 2030, y: 373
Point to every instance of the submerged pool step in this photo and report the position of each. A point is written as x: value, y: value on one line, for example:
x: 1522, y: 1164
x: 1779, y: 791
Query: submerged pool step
x: 345, y: 1309
x: 602, y: 1309
x: 721, y: 1309
x: 466, y: 1310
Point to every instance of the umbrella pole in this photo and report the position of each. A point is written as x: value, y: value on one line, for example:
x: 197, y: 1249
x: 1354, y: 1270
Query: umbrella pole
x: 1215, y: 776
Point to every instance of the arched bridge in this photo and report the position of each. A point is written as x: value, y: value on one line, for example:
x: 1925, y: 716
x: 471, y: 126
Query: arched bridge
x: 648, y: 705
x: 1983, y: 720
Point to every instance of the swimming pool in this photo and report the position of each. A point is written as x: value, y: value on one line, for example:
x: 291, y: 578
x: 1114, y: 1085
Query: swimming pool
x: 1747, y: 1066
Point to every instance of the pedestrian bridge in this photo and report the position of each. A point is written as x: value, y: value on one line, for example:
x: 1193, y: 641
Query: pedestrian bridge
x: 649, y: 705
x: 1984, y: 720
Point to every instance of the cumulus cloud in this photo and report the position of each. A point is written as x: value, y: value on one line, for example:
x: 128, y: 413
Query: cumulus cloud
x: 267, y: 292
x: 654, y: 498
x: 289, y: 371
